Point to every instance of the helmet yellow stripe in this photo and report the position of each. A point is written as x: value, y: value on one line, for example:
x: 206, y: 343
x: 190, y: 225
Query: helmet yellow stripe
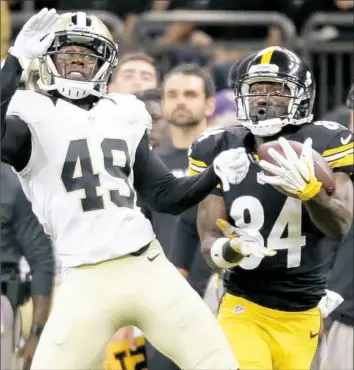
x: 267, y: 56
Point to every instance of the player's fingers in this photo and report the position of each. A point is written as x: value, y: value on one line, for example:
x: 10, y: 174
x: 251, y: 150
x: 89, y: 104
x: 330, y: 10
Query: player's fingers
x: 307, y: 154
x: 48, y: 20
x: 225, y: 183
x: 269, y: 252
x: 282, y: 161
x: 237, y: 161
x: 307, y: 148
x: 239, y: 152
x: 35, y: 20
x: 288, y: 149
x: 226, y: 228
x: 272, y: 180
x: 270, y: 167
x: 304, y: 168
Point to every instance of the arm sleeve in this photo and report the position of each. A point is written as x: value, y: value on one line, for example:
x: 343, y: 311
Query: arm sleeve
x: 186, y: 240
x: 339, y: 153
x: 161, y: 189
x: 35, y: 244
x: 15, y: 134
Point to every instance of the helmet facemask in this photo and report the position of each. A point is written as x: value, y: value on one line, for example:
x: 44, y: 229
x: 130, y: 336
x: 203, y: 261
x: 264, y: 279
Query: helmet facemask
x: 266, y: 102
x: 78, y: 64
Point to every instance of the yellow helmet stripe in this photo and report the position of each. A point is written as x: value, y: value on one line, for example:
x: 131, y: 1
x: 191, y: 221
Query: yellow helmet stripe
x: 267, y: 56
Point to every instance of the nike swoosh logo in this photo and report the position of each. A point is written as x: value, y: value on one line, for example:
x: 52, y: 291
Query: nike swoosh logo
x: 151, y: 259
x: 313, y: 335
x: 345, y: 141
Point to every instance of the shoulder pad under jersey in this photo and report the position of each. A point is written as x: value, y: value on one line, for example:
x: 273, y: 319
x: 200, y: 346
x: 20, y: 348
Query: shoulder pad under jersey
x: 212, y: 142
x: 334, y: 142
x: 29, y: 105
x: 130, y: 106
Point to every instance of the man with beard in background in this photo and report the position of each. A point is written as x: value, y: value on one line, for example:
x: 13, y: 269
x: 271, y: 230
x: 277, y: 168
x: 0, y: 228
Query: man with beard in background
x: 187, y: 101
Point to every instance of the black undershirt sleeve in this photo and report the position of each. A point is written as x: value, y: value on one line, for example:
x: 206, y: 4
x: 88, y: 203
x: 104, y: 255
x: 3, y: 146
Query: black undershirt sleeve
x: 15, y: 134
x: 161, y: 189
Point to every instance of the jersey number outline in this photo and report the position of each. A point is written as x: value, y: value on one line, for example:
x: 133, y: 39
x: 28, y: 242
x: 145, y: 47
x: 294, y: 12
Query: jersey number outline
x: 247, y: 211
x: 329, y: 125
x: 78, y: 151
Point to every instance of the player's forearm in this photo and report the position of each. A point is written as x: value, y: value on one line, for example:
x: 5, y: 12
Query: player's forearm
x: 161, y: 189
x: 175, y: 195
x: 10, y: 76
x: 41, y: 309
x: 331, y: 215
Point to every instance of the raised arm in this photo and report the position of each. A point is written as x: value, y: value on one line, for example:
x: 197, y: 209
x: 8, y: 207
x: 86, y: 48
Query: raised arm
x: 32, y: 42
x: 15, y: 134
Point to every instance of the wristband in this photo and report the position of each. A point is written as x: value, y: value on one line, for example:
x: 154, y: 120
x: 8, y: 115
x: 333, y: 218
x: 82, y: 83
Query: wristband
x: 37, y: 330
x: 216, y: 253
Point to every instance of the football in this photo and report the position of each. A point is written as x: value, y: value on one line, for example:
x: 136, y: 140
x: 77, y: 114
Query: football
x: 323, y: 171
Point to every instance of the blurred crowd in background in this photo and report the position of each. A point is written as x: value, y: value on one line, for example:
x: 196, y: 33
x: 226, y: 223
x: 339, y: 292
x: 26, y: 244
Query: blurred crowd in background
x: 178, y: 31
x: 156, y: 36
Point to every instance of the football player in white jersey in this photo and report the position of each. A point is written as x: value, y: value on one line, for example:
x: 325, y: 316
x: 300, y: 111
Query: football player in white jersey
x: 82, y: 156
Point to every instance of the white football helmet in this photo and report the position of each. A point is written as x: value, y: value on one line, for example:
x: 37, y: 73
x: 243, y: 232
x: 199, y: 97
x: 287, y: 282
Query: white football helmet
x: 78, y: 29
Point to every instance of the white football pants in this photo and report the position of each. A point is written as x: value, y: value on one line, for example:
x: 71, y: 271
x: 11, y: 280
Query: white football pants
x: 93, y: 302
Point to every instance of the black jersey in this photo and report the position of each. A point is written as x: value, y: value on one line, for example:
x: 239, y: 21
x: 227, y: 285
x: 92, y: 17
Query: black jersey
x: 292, y: 280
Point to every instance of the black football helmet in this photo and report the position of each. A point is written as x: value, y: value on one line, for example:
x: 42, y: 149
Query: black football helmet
x: 273, y: 65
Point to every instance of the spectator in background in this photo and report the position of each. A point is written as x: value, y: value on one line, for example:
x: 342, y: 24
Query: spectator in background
x: 134, y: 73
x: 344, y: 113
x: 188, y: 101
x: 183, y: 31
x: 159, y: 130
x: 340, y: 114
x: 306, y: 8
x: 5, y: 33
x: 323, y: 64
x: 22, y: 236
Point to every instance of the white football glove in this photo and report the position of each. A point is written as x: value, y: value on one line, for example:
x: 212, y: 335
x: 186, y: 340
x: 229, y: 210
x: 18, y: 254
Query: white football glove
x: 34, y: 38
x: 247, y: 242
x: 295, y: 174
x: 231, y: 166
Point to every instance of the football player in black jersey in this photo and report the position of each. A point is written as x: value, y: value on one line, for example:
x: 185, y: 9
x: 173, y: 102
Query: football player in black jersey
x: 271, y: 312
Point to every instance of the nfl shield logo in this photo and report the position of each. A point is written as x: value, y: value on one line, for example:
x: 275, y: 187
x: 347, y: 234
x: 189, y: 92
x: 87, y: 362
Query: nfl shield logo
x: 238, y: 309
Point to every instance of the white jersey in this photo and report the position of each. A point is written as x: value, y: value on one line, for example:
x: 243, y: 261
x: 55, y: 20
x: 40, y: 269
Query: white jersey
x: 80, y: 178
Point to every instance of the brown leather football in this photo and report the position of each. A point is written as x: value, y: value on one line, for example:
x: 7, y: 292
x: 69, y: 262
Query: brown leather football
x: 323, y: 171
